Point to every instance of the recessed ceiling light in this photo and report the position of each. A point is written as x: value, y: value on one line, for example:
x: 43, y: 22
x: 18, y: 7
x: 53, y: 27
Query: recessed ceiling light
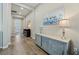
x: 22, y: 8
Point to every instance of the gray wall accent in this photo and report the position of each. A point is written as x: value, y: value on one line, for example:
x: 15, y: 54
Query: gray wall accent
x: 1, y: 9
x: 0, y: 39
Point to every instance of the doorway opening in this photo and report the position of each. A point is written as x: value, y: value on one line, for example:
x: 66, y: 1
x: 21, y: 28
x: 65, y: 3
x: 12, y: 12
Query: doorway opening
x: 18, y: 26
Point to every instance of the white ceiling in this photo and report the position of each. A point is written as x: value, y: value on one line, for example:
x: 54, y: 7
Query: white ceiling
x: 23, y: 9
x: 31, y: 4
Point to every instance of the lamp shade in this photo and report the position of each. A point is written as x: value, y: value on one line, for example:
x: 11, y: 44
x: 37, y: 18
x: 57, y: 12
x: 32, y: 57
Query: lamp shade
x: 64, y: 23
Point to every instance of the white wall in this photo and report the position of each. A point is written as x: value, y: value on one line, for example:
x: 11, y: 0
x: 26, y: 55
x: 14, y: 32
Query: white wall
x: 42, y: 11
x: 72, y: 13
x: 31, y: 18
x: 7, y: 21
x: 24, y: 23
x: 12, y: 31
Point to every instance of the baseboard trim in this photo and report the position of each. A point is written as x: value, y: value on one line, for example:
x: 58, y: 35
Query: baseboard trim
x: 4, y: 47
x: 0, y: 47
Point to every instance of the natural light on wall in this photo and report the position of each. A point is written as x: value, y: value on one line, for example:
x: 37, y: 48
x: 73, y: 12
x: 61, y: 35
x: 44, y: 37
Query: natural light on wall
x: 64, y: 23
x: 29, y: 24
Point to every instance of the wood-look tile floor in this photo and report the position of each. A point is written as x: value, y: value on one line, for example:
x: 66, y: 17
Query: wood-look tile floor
x: 22, y: 46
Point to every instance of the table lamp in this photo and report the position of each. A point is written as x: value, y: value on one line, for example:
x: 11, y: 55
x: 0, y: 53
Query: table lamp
x: 64, y: 23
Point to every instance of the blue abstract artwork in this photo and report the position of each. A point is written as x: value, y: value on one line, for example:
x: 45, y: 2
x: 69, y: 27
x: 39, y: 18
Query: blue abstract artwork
x: 48, y: 21
x: 54, y: 17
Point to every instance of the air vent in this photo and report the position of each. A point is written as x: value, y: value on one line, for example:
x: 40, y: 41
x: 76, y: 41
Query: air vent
x: 13, y: 11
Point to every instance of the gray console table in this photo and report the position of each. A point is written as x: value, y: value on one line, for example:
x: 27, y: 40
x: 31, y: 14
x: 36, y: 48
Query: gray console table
x: 52, y: 45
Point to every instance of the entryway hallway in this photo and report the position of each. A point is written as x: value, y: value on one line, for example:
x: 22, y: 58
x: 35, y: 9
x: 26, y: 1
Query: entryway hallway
x: 21, y: 45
